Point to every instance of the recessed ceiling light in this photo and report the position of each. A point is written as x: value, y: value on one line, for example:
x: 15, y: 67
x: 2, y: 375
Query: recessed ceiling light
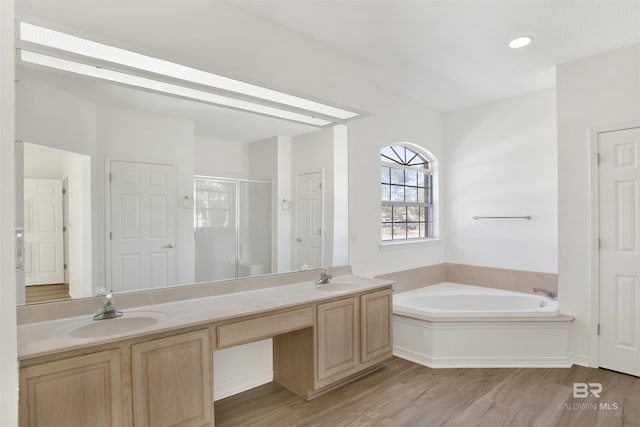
x: 519, y: 42
x: 80, y: 46
x: 158, y: 86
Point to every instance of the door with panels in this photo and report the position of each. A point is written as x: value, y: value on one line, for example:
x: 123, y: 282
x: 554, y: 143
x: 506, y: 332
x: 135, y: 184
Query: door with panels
x: 143, y: 232
x: 43, y: 232
x: 619, y: 193
x: 309, y: 220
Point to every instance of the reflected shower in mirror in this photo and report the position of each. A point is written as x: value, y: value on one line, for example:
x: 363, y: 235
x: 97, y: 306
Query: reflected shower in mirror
x: 165, y: 191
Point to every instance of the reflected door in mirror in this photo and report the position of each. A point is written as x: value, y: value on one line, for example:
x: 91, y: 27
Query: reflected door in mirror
x: 143, y: 225
x: 309, y: 220
x: 43, y: 231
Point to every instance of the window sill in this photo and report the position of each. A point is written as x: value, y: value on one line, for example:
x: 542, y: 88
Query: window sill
x: 389, y: 246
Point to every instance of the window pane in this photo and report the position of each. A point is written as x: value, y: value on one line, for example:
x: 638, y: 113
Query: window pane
x: 397, y: 193
x: 385, y: 175
x: 421, y: 195
x: 413, y: 213
x: 386, y: 214
x: 399, y: 214
x: 399, y: 231
x: 411, y: 178
x: 386, y: 193
x: 386, y: 232
x: 413, y: 231
x: 422, y: 214
x: 420, y: 179
x: 390, y: 155
x: 422, y: 230
x: 397, y: 176
x: 411, y: 194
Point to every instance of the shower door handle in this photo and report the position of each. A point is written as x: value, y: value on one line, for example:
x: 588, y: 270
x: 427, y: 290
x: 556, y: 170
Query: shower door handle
x: 170, y: 246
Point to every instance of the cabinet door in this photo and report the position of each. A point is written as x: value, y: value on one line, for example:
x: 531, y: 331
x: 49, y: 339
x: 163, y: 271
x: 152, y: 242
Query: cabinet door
x: 338, y: 338
x: 172, y: 381
x: 375, y: 320
x: 78, y: 391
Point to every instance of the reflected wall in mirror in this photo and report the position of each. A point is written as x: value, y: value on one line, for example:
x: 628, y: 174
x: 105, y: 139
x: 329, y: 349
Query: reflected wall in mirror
x: 162, y: 191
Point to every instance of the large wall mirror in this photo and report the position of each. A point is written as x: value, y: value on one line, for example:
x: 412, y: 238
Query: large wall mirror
x: 129, y: 189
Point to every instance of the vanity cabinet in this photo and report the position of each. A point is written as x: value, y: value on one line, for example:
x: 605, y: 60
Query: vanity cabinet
x: 165, y: 378
x: 352, y: 336
x: 376, y: 311
x: 338, y: 339
x: 153, y: 383
x: 172, y: 381
x: 74, y: 392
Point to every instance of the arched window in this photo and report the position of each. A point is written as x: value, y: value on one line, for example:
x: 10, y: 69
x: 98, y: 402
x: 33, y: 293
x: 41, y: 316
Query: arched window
x: 407, y: 194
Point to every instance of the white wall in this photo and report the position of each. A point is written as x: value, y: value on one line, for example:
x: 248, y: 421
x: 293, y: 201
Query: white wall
x: 284, y: 217
x: 599, y: 92
x: 340, y: 196
x: 8, y: 349
x: 77, y: 168
x: 502, y: 161
x: 393, y: 120
x: 216, y: 157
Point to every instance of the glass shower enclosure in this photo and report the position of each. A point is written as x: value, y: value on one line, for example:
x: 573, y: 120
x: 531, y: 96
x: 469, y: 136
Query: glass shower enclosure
x: 232, y: 220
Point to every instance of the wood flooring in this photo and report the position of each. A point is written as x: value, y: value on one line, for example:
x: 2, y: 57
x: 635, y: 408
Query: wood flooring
x: 406, y: 394
x: 43, y: 293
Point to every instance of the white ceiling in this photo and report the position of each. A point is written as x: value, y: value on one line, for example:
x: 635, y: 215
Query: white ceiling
x: 451, y: 54
x: 444, y: 54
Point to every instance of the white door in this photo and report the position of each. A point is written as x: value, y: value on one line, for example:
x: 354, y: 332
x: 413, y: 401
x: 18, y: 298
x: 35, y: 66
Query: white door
x: 66, y: 229
x: 619, y: 190
x: 143, y: 225
x: 309, y: 220
x: 43, y: 239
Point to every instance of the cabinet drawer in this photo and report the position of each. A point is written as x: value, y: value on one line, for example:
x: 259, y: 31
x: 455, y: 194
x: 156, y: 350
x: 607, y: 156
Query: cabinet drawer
x: 263, y: 327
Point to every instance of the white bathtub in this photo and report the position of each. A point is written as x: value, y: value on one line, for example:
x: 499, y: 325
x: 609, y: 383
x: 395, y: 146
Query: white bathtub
x: 455, y: 300
x: 452, y: 325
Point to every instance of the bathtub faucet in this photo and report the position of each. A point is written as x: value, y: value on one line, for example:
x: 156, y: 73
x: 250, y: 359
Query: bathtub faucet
x: 324, y: 277
x: 547, y: 293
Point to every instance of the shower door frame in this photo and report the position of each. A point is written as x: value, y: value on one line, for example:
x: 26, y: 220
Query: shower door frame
x: 237, y: 182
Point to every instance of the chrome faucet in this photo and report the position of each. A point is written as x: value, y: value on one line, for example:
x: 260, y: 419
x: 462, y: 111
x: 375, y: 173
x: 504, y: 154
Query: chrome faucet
x: 547, y: 293
x: 109, y: 310
x: 324, y: 277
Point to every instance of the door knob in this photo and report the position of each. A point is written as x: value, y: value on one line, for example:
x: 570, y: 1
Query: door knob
x: 170, y: 246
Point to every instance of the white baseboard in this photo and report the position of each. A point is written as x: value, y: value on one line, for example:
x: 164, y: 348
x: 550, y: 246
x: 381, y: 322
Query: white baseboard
x: 482, y: 362
x: 220, y: 391
x: 580, y: 359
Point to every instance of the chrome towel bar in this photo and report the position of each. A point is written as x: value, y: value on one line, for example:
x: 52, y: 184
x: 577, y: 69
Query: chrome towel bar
x: 527, y: 217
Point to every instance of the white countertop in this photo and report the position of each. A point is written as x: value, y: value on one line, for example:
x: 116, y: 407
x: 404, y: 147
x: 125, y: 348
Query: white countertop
x: 42, y: 338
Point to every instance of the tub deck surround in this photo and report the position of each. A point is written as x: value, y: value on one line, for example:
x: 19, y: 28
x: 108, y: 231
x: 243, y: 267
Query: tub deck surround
x: 485, y: 335
x: 487, y: 277
x: 75, y: 373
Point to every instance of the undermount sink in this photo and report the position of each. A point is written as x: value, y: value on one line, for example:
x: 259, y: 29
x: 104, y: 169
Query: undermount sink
x: 128, y: 323
x: 332, y: 287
